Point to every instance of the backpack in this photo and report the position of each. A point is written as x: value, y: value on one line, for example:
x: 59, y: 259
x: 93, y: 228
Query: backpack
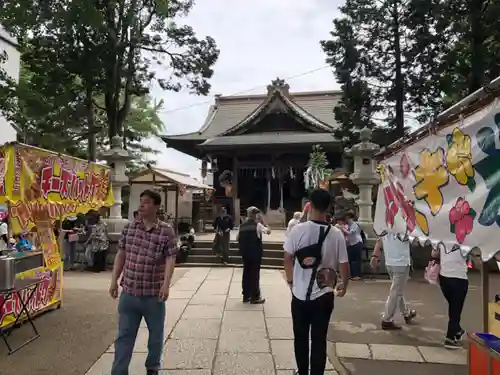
x: 310, y: 257
x: 363, y: 236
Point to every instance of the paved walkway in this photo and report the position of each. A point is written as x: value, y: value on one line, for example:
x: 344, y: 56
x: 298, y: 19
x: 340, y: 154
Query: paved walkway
x: 211, y: 332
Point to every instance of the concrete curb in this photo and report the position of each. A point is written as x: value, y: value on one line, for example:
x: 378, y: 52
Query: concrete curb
x: 335, y: 361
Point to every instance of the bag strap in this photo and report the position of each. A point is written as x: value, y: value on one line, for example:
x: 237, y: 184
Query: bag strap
x: 321, y: 239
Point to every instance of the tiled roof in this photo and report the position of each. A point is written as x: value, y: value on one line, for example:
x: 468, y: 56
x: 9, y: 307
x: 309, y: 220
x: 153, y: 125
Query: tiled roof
x: 228, y: 112
x: 270, y: 139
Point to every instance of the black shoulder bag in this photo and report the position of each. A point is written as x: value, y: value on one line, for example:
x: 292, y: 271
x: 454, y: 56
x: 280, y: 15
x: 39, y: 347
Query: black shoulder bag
x: 310, y: 257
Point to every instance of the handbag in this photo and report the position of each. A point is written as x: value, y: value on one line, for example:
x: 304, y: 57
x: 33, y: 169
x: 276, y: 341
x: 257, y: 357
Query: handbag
x: 432, y: 272
x: 73, y: 237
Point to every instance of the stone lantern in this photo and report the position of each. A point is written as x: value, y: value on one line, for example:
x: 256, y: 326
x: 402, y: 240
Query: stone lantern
x: 365, y: 176
x: 116, y: 157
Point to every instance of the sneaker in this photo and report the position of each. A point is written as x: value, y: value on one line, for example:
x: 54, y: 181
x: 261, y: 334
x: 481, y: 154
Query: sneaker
x: 258, y: 301
x: 390, y: 326
x: 411, y: 315
x: 246, y: 300
x: 452, y: 343
x: 460, y: 335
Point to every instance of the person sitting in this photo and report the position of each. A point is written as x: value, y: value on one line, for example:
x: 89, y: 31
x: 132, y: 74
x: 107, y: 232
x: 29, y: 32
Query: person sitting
x: 184, y: 249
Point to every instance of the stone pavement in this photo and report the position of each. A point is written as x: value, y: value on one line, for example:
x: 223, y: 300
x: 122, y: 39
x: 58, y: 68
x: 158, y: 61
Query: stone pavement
x: 211, y: 332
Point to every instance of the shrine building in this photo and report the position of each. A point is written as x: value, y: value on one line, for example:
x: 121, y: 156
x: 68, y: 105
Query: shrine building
x: 264, y: 142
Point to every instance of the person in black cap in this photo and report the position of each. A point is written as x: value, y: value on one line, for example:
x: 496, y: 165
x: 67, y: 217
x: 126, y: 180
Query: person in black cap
x: 251, y: 249
x: 314, y: 252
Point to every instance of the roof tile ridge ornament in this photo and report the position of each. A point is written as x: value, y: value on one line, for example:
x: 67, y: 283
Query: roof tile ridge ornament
x: 278, y: 85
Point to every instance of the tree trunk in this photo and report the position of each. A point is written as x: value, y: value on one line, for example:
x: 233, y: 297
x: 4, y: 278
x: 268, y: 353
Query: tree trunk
x: 92, y: 143
x: 399, y: 79
x: 477, y: 44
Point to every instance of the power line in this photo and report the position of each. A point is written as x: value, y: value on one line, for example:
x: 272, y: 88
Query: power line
x: 242, y: 92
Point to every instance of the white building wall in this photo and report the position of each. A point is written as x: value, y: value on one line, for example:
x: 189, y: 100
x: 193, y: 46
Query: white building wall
x: 11, y: 67
x: 185, y: 201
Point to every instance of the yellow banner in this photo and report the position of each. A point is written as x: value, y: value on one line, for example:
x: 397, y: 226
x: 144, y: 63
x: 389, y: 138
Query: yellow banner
x: 48, y: 293
x: 44, y: 186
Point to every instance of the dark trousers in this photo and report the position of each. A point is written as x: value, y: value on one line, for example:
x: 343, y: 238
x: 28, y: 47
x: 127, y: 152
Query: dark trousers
x: 250, y: 281
x: 100, y: 260
x: 311, y: 317
x: 220, y: 245
x: 355, y: 254
x: 454, y: 291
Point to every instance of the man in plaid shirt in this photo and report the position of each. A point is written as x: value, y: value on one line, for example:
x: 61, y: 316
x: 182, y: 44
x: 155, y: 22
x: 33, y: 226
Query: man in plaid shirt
x: 146, y: 261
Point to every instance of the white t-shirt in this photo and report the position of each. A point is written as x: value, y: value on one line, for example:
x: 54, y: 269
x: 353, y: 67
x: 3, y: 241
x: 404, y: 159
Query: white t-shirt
x: 453, y: 264
x: 396, y: 252
x: 334, y: 252
x: 4, y: 229
x: 354, y: 234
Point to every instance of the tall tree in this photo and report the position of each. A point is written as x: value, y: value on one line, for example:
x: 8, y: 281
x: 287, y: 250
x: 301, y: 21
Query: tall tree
x: 367, y: 51
x: 112, y: 48
x: 356, y: 108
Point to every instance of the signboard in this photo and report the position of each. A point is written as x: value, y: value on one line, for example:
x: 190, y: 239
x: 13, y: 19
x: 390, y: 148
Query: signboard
x: 40, y: 187
x: 56, y: 186
x: 445, y: 188
x: 47, y: 294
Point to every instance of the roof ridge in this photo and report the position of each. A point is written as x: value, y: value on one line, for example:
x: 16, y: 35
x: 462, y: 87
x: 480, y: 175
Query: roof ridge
x: 303, y: 94
x: 289, y: 102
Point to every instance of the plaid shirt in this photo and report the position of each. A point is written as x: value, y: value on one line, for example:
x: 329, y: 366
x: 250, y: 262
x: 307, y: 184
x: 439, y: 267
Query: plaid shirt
x: 145, y: 255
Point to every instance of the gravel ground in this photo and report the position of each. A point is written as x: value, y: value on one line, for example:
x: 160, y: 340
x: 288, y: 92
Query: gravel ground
x: 72, y: 338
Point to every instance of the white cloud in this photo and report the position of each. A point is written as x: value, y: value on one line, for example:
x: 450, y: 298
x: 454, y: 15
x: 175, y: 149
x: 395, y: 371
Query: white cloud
x: 259, y: 40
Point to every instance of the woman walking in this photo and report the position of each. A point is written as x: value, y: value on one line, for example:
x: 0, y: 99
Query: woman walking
x: 96, y: 246
x: 355, y: 246
x: 454, y: 285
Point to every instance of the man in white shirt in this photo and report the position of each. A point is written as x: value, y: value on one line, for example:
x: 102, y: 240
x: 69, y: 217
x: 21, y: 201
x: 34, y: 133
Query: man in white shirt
x: 297, y: 216
x: 397, y: 262
x: 4, y: 234
x: 314, y: 252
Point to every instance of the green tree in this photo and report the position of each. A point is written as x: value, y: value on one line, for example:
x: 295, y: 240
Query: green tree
x: 367, y: 50
x: 356, y: 108
x: 112, y: 49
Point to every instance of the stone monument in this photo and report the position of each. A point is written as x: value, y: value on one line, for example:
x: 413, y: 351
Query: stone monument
x: 116, y: 157
x: 365, y: 176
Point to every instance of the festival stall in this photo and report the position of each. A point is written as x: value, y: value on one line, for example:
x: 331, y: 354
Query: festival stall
x: 441, y: 186
x: 40, y: 187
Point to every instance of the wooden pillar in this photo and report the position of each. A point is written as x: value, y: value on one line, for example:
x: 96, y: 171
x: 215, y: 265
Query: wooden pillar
x: 176, y: 221
x: 236, y: 200
x: 485, y: 291
x: 268, y: 178
x: 165, y: 192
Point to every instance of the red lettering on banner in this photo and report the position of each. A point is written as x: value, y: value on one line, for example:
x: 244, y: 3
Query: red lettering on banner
x: 16, y: 186
x: 69, y: 185
x: 12, y: 307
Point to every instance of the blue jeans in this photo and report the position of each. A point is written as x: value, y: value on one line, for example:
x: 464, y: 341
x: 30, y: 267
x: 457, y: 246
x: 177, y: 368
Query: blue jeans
x: 69, y: 254
x: 131, y: 310
x: 355, y: 254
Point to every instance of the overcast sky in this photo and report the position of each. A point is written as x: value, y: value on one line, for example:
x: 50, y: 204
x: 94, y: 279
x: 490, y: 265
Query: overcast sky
x: 259, y: 41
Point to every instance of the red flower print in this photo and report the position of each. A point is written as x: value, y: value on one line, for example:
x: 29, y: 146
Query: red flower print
x: 404, y: 166
x: 391, y: 208
x: 461, y: 219
x: 394, y: 200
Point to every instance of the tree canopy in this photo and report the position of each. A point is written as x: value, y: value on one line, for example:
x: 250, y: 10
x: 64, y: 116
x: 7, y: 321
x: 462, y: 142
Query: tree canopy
x: 91, y: 65
x: 401, y: 62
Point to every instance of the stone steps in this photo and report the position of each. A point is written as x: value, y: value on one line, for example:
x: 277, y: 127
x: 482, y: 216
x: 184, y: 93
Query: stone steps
x: 203, y: 255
